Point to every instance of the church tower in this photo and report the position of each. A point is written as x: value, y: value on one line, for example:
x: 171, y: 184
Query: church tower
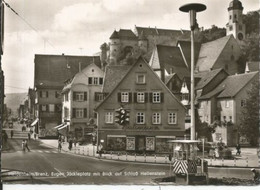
x: 235, y: 23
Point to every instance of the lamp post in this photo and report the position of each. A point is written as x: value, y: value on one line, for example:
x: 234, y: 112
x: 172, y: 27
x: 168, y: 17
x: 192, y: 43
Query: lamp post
x: 192, y: 9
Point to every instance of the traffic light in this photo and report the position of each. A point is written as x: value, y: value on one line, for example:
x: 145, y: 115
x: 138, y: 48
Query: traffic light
x: 122, y: 116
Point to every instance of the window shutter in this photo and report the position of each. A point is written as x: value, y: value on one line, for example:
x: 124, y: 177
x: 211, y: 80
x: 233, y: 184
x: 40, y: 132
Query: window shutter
x: 47, y: 94
x: 40, y: 107
x: 100, y: 80
x: 96, y: 99
x: 135, y: 97
x: 85, y: 96
x: 85, y: 112
x: 162, y: 97
x: 74, y: 96
x: 74, y: 112
x: 40, y: 94
x: 151, y: 97
x: 119, y: 96
x: 47, y: 107
x: 130, y: 97
x: 146, y: 97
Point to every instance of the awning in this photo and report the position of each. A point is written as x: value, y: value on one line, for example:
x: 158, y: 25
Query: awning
x: 34, y: 122
x: 63, y: 127
x: 59, y: 126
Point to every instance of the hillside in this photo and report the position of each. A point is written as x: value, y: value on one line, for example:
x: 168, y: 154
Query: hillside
x: 14, y: 100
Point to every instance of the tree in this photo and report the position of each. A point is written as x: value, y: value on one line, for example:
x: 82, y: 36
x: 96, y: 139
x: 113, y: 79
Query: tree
x: 250, y: 115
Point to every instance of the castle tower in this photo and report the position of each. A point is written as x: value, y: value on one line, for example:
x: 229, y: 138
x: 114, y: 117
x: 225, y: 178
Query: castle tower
x: 235, y: 23
x: 103, y: 55
x: 114, y: 48
x: 142, y: 43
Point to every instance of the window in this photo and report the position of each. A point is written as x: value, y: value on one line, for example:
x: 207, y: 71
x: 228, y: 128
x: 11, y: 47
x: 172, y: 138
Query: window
x: 79, y: 113
x: 156, y: 97
x: 156, y: 118
x: 172, y: 118
x: 227, y: 104
x: 140, y: 79
x: 51, y: 107
x: 90, y: 80
x: 44, y: 94
x: 109, y: 117
x: 124, y: 96
x: 230, y: 17
x: 66, y: 97
x: 140, y: 118
x: 95, y: 80
x: 57, y: 94
x: 79, y: 96
x: 243, y: 103
x: 235, y: 17
x: 140, y: 97
x: 99, y: 96
x: 230, y: 28
x: 100, y: 80
x: 44, y: 107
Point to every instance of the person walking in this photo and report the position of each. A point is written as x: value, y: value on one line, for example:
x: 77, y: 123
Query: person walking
x: 75, y: 141
x: 238, y: 149
x: 26, y: 145
x: 34, y: 136
x: 29, y: 136
x: 70, y: 144
x: 59, y: 146
x: 12, y: 134
x: 23, y: 145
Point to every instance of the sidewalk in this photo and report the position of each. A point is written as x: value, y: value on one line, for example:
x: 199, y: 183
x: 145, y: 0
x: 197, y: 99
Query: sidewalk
x: 248, y: 157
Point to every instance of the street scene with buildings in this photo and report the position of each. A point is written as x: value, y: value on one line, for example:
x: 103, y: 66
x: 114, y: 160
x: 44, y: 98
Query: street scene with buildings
x: 155, y: 106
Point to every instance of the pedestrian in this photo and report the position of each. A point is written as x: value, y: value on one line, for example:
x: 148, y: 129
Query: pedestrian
x: 59, y: 146
x: 12, y: 134
x: 100, y: 150
x: 29, y: 136
x: 255, y: 175
x: 75, y: 141
x: 238, y: 149
x: 23, y: 145
x: 35, y: 136
x: 26, y: 145
x: 70, y: 144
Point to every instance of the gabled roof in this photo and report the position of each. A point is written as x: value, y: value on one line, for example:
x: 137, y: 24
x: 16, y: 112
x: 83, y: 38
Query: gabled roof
x: 123, y: 34
x: 128, y: 71
x: 210, y: 52
x: 186, y: 50
x: 113, y: 75
x: 206, y: 77
x: 170, y: 58
x: 231, y: 86
x: 52, y: 70
x: 161, y: 32
x: 169, y: 77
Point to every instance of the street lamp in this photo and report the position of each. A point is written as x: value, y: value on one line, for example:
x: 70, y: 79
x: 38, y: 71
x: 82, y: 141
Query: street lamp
x: 192, y: 9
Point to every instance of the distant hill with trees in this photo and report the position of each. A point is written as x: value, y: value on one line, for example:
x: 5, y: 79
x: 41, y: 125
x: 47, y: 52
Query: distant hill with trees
x: 14, y: 100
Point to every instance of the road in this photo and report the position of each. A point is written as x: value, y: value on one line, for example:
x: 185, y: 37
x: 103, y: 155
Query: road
x: 59, y: 168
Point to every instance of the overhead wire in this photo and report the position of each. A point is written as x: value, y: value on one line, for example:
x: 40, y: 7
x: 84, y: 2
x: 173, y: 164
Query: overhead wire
x: 44, y: 39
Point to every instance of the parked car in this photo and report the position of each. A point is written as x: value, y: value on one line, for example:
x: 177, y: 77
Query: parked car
x: 207, y: 146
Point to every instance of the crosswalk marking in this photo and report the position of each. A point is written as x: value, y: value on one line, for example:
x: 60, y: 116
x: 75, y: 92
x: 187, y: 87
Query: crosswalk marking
x: 45, y: 151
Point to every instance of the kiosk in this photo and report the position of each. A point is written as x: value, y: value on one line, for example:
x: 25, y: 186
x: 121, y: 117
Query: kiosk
x: 187, y: 167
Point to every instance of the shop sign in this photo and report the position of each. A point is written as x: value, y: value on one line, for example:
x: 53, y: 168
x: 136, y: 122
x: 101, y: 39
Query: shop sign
x: 139, y: 127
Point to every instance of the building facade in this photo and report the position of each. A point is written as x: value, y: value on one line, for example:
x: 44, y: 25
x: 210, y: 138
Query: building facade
x: 155, y: 114
x: 51, y: 71
x: 80, y: 96
x: 222, y: 107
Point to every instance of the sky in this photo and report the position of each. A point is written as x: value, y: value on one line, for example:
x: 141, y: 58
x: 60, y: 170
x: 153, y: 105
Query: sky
x: 79, y: 27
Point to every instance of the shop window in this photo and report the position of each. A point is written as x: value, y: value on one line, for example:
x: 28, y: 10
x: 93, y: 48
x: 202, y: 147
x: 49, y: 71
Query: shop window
x: 150, y: 144
x: 116, y: 143
x: 130, y: 143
